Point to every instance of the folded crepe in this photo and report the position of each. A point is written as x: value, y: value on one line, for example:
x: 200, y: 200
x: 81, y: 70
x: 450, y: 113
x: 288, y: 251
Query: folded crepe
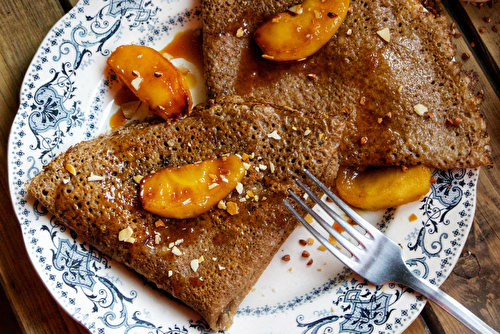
x: 384, y: 85
x: 235, y: 249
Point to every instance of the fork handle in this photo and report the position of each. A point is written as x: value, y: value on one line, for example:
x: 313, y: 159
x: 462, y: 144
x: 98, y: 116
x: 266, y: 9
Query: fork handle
x: 449, y: 304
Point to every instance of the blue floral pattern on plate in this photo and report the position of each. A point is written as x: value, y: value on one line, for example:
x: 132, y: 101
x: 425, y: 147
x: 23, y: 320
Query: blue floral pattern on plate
x: 65, y: 98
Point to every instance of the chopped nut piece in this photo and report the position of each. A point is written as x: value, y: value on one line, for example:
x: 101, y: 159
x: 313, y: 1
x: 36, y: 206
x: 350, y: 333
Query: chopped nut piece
x: 388, y: 115
x: 404, y: 168
x: 246, y: 165
x: 271, y: 167
x: 362, y: 101
x: 349, y: 32
x: 465, y: 56
x: 157, y: 239
x: 195, y: 264
x: 305, y: 253
x: 239, y: 188
x: 232, y: 208
x: 379, y: 120
x: 420, y: 109
x: 457, y: 121
x: 286, y: 258
x: 302, y: 242
x: 222, y: 205
x: 159, y: 223
x: 457, y: 35
x: 94, y: 177
x: 297, y: 9
x: 170, y: 273
x: 385, y: 34
x: 176, y: 251
x: 262, y: 167
x: 449, y: 121
x: 137, y: 178
x: 212, y: 186
x: 70, y: 169
x: 310, y: 262
x: 482, y: 29
x: 178, y: 242
x: 308, y: 131
x: 125, y: 234
x: 158, y: 74
x: 494, y: 28
x: 171, y: 142
x: 486, y: 19
x: 136, y: 83
x: 274, y: 135
x: 364, y: 140
x: 239, y: 32
x: 268, y: 57
x: 221, y: 267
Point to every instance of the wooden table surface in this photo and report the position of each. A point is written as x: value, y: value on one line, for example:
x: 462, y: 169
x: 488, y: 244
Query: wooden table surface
x: 27, y: 307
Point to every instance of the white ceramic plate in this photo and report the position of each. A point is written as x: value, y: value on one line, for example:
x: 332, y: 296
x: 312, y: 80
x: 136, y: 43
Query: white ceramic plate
x: 67, y: 96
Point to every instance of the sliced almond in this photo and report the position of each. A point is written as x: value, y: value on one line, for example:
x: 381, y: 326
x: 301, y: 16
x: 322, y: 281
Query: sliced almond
x: 420, y: 109
x: 136, y: 83
x: 125, y: 234
x: 385, y: 34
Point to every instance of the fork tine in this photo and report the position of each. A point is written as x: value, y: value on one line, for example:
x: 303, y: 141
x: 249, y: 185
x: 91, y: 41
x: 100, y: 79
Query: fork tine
x: 362, y: 239
x: 372, y: 231
x: 349, y: 246
x: 334, y: 250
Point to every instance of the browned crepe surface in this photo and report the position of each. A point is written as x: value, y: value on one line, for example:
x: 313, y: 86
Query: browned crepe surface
x: 236, y: 249
x: 359, y: 72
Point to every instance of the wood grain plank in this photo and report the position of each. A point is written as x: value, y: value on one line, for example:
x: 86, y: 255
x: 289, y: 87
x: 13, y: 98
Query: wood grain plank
x: 483, y: 45
x: 486, y: 16
x: 21, y: 33
x: 474, y: 281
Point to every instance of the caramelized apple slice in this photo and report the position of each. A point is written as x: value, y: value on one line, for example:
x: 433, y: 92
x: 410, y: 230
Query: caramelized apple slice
x: 153, y: 79
x: 190, y: 190
x: 381, y: 188
x: 302, y: 30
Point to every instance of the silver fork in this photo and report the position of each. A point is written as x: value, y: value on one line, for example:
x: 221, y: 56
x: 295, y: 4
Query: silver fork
x: 377, y: 258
